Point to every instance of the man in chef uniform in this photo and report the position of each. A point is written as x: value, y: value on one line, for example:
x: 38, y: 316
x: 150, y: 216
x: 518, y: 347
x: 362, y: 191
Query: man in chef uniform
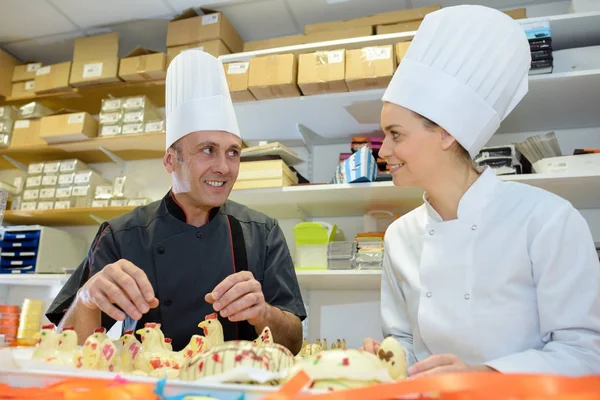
x: 194, y: 252
x: 486, y: 275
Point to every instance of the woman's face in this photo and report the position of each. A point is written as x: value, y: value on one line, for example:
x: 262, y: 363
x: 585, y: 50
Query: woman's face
x: 413, y: 151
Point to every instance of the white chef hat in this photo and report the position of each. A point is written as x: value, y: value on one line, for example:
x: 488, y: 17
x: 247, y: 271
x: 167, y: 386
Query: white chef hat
x: 466, y: 70
x: 197, y: 96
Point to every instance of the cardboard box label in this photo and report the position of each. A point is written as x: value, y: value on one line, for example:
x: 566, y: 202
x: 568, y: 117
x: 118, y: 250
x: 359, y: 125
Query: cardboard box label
x: 66, y: 179
x: 134, y: 102
x: 136, y: 116
x: 237, y: 68
x: 80, y: 191
x: 33, y: 181
x: 45, y: 205
x: 31, y: 194
x: 111, y: 105
x: 43, y: 71
x: 36, y: 168
x: 210, y: 19
x: 33, y: 67
x: 137, y: 202
x: 133, y: 128
x: 61, y: 193
x: 334, y: 57
x: 28, y: 109
x: 104, y: 191
x: 29, y: 206
x: 100, y: 203
x: 61, y: 205
x: 82, y: 177
x: 51, y: 167
x: 67, y: 165
x: 110, y: 130
x: 377, y: 53
x: 49, y: 180
x: 157, y: 126
x: 119, y: 203
x: 92, y: 70
x: 47, y: 193
x: 29, y: 85
x: 110, y: 118
x: 22, y: 124
x: 76, y: 118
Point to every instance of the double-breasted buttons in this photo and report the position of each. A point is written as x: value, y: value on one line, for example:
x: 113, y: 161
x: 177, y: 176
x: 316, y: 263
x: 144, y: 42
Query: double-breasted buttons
x: 199, y: 235
x: 160, y: 250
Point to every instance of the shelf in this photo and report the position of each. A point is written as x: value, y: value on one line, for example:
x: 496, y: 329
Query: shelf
x: 33, y: 279
x: 340, y: 279
x: 127, y: 147
x: 89, y: 98
x: 67, y: 217
x: 339, y: 200
x: 554, y: 101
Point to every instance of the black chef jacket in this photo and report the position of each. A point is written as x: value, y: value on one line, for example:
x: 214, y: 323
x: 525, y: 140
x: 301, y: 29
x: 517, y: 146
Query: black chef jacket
x: 184, y: 263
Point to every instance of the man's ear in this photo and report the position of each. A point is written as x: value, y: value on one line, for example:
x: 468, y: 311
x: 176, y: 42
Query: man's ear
x: 447, y: 140
x: 168, y: 161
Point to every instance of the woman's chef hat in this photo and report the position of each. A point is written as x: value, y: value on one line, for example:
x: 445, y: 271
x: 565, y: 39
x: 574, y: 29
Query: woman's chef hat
x: 197, y: 96
x: 466, y: 70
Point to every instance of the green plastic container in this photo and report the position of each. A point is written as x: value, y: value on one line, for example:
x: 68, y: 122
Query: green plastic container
x: 312, y: 239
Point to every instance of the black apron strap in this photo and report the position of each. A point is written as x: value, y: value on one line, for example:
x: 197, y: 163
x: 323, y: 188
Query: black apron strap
x: 244, y: 330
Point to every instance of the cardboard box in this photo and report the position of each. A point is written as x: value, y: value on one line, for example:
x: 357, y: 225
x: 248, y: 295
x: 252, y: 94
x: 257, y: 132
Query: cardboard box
x: 391, y: 17
x: 95, y: 60
x: 143, y: 65
x: 53, y: 78
x: 339, y: 34
x: 68, y: 127
x: 283, y: 41
x: 262, y: 174
x: 7, y: 65
x: 401, y: 49
x: 190, y: 27
x: 26, y: 132
x: 322, y: 72
x: 214, y: 47
x: 370, y: 67
x: 23, y: 89
x: 397, y: 28
x: 25, y: 72
x: 517, y: 13
x: 237, y: 80
x: 274, y: 76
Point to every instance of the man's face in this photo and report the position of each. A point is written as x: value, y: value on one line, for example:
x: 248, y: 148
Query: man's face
x: 205, y: 167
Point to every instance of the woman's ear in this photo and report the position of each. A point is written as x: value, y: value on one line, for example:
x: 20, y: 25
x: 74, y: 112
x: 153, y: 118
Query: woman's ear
x: 447, y: 140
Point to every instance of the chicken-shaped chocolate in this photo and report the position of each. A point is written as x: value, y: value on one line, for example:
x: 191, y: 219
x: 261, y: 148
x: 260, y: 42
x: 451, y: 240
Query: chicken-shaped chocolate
x: 47, y: 345
x: 67, y: 347
x: 130, y: 349
x: 265, y: 337
x: 213, y: 331
x: 169, y: 344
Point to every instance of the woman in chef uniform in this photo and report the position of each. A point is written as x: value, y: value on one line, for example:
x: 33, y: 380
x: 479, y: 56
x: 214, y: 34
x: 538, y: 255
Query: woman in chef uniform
x: 486, y: 275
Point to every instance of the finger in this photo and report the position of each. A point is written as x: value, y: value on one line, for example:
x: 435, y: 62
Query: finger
x: 130, y: 287
x: 238, y: 290
x: 106, y: 306
x: 438, y: 370
x: 154, y: 303
x: 248, y: 313
x: 113, y: 292
x: 434, y: 361
x: 229, y: 282
x: 209, y: 298
x: 246, y: 301
x: 140, y: 277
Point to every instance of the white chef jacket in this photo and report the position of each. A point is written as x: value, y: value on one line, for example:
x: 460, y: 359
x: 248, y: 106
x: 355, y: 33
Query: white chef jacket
x: 513, y: 283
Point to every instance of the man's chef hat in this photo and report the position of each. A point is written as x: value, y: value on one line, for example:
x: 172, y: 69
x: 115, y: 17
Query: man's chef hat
x: 197, y: 96
x: 466, y: 70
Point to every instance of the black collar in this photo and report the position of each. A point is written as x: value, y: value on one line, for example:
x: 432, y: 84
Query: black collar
x: 175, y: 209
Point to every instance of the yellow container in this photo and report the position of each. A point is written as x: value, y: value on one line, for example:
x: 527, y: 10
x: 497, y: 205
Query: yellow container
x: 312, y: 239
x: 26, y: 333
x: 30, y: 325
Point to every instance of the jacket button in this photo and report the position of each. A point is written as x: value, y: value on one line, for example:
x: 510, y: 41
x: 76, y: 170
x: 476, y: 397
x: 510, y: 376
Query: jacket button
x: 474, y: 227
x: 428, y: 294
x: 199, y: 235
x: 161, y: 250
x: 467, y: 296
x: 167, y: 303
x: 431, y: 232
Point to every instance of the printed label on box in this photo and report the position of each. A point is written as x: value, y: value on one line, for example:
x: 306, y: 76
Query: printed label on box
x: 22, y: 124
x: 36, y: 168
x: 27, y: 206
x: 92, y: 70
x: 66, y: 166
x: 80, y: 191
x: 111, y: 105
x: 377, y: 53
x: 33, y: 67
x: 334, y: 57
x: 110, y: 130
x: 99, y: 203
x: 66, y: 179
x: 133, y: 128
x: 49, y: 180
x: 47, y: 193
x: 51, y: 167
x: 210, y: 19
x: 76, y: 118
x: 43, y: 71
x: 136, y: 116
x: 83, y: 177
x: 119, y: 203
x: 45, y: 205
x: 61, y: 193
x: 137, y: 202
x: 110, y: 118
x: 63, y: 204
x: 31, y: 194
x: 33, y: 181
x: 29, y: 85
x: 134, y: 102
x: 237, y: 68
x: 155, y: 126
x: 28, y: 108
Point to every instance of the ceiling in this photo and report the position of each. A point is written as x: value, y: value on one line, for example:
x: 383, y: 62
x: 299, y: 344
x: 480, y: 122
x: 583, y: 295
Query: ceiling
x: 44, y: 30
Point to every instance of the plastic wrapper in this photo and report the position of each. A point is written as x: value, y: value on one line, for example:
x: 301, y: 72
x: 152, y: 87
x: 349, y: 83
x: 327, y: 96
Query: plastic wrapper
x: 8, y: 113
x: 88, y: 178
x: 125, y: 187
x: 34, y: 110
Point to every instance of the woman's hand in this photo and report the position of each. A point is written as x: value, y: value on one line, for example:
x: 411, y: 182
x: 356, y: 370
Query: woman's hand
x: 444, y: 363
x: 370, y: 346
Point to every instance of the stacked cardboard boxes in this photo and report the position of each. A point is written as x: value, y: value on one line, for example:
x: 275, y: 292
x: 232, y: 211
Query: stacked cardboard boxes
x: 95, y: 60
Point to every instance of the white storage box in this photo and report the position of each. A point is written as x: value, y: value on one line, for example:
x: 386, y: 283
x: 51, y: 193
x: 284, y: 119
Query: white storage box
x: 577, y: 59
x: 581, y: 163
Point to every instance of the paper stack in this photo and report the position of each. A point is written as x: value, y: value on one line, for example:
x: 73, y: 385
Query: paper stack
x: 340, y: 255
x: 369, y: 250
x: 540, y: 42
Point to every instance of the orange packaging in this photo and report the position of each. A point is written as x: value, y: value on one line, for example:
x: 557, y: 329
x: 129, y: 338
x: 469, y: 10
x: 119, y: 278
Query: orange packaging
x: 9, y: 309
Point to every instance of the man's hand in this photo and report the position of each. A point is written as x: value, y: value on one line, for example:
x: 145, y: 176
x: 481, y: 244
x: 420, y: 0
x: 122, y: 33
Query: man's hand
x: 122, y: 284
x: 370, y: 346
x: 239, y: 297
x: 444, y: 363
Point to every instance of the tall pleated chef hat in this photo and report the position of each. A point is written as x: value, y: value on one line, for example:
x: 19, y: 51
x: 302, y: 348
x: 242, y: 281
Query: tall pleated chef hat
x: 466, y: 70
x: 197, y: 96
